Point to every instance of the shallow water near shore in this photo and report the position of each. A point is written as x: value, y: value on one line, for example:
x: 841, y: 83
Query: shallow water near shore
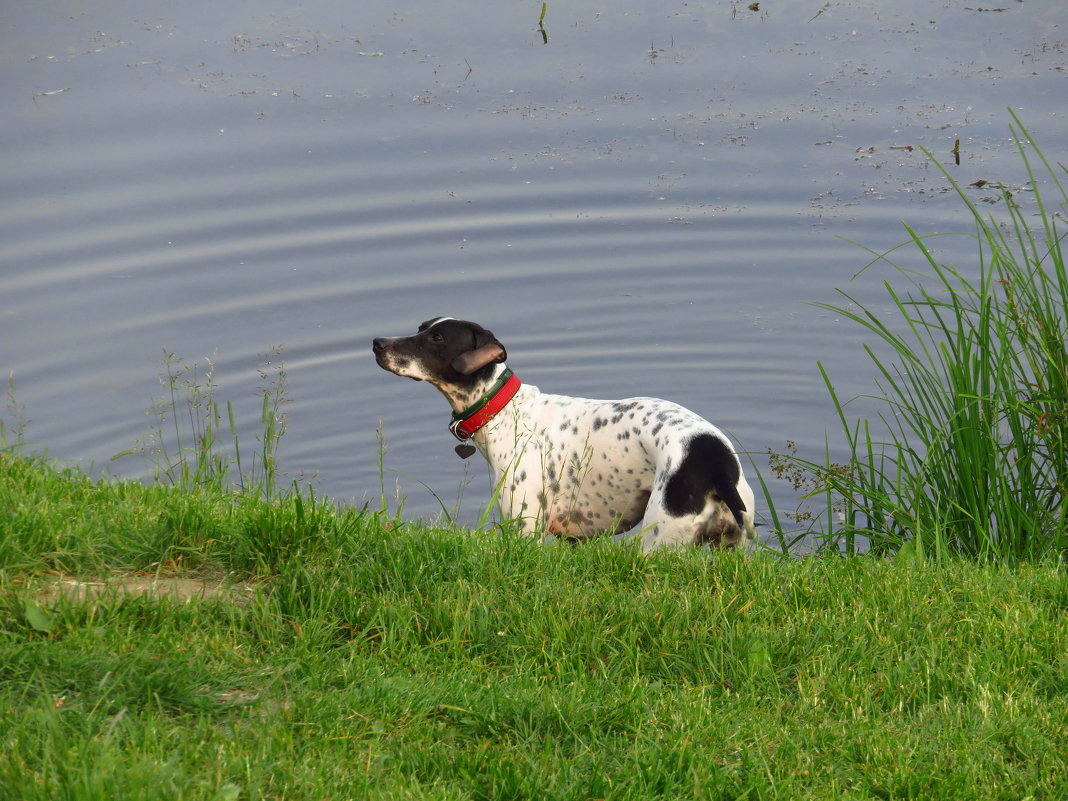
x: 645, y: 204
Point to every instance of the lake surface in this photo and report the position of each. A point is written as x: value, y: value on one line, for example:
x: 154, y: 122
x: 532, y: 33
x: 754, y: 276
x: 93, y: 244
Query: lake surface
x: 647, y: 204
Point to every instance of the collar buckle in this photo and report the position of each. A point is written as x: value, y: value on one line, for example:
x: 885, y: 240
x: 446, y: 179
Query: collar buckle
x: 464, y: 424
x: 461, y: 434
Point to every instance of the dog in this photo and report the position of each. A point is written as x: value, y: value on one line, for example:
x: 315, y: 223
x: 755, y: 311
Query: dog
x: 576, y: 468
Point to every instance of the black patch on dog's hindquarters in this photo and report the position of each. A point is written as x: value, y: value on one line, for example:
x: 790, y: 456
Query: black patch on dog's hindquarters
x: 709, y: 466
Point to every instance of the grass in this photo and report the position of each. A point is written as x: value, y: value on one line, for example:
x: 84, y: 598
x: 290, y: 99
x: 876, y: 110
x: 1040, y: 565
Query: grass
x: 189, y: 447
x: 217, y: 635
x: 370, y: 659
x: 970, y: 455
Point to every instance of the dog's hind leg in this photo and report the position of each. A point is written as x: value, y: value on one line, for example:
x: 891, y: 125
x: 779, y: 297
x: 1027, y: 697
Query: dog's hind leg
x: 700, y: 498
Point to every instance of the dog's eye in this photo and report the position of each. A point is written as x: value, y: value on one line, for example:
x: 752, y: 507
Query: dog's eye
x: 437, y: 338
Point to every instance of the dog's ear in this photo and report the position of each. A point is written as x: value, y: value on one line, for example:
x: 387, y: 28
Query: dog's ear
x: 475, y: 360
x: 487, y: 351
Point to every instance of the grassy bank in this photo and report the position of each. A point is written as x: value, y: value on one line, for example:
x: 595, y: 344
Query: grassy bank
x: 345, y: 656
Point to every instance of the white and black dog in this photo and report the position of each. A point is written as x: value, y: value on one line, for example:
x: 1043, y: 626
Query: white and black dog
x: 574, y: 467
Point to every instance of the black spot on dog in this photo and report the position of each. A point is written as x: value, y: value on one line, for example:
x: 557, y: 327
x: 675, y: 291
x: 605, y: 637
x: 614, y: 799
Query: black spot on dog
x: 709, y: 467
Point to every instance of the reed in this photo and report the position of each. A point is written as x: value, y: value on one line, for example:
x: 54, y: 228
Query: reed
x: 968, y: 453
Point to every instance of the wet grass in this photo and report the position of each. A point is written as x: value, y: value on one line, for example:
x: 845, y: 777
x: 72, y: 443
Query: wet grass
x: 365, y: 658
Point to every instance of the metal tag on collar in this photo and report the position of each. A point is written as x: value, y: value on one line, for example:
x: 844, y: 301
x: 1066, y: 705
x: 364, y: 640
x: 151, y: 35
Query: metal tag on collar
x: 458, y: 432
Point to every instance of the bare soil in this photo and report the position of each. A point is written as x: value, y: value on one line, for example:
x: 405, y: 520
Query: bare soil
x: 180, y: 588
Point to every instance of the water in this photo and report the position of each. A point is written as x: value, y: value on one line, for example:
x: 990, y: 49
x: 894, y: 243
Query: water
x: 645, y: 205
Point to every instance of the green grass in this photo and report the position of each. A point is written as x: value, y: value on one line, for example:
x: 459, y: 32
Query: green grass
x: 189, y: 446
x: 347, y: 654
x: 970, y: 453
x: 368, y: 659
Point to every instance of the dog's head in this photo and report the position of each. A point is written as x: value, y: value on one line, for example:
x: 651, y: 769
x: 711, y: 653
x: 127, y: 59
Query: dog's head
x: 454, y: 355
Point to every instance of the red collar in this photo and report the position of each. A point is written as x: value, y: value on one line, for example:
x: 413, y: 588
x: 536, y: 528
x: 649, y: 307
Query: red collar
x: 466, y: 423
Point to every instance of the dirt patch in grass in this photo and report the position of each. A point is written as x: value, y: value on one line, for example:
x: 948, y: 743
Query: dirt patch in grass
x: 180, y: 588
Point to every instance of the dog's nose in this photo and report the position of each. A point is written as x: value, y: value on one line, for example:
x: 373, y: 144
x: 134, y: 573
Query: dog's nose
x: 379, y: 344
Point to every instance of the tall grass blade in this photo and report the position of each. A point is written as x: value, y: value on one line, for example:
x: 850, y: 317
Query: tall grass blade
x: 969, y: 456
